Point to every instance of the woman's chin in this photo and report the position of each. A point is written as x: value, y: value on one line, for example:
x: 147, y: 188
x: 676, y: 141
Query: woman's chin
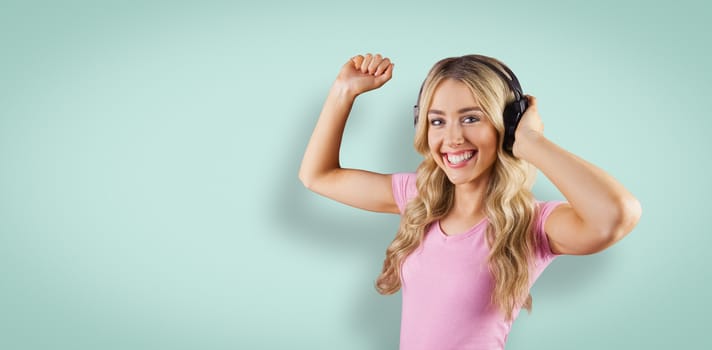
x: 457, y: 179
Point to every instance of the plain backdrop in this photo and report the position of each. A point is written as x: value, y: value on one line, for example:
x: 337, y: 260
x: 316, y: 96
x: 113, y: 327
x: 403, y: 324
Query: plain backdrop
x: 149, y: 152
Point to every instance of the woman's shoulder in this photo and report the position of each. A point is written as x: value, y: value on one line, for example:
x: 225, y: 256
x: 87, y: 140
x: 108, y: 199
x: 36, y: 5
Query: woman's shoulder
x: 404, y: 188
x: 404, y: 177
x: 544, y: 209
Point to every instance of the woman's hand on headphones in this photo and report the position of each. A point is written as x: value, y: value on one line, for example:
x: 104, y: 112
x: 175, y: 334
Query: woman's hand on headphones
x: 530, y: 125
x: 364, y: 73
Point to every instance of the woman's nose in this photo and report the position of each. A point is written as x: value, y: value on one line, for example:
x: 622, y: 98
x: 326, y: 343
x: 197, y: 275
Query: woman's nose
x: 454, y: 136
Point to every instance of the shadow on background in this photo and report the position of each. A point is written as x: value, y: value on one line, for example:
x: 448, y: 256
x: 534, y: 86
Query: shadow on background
x: 364, y: 234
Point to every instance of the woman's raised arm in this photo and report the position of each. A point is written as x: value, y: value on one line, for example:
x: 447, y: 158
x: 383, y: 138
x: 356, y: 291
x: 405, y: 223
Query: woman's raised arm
x: 321, y: 171
x: 600, y: 211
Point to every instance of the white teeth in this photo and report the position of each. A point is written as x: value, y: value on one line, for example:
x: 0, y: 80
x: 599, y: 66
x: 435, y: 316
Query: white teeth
x: 456, y: 159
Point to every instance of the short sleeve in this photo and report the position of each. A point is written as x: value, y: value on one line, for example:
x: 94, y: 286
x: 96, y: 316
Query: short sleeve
x: 545, y: 209
x: 404, y: 189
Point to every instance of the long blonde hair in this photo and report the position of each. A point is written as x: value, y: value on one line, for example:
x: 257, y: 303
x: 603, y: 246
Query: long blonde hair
x: 509, y: 205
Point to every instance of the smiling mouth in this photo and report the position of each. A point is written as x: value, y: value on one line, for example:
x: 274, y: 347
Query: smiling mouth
x: 459, y: 158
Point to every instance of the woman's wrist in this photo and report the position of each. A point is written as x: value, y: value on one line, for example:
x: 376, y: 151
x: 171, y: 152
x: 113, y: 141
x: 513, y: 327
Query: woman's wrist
x: 343, y: 92
x: 525, y: 142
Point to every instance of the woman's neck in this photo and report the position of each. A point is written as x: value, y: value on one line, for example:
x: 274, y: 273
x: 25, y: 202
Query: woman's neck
x: 467, y: 209
x: 469, y: 199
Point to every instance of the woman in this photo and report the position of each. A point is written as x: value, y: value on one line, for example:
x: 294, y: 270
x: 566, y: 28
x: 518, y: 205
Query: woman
x: 472, y: 238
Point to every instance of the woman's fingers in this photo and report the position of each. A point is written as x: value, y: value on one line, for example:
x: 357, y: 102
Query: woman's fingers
x: 366, y: 61
x: 382, y: 67
x: 371, y: 64
x: 374, y: 64
x: 386, y: 76
x: 357, y: 61
x: 532, y: 101
x: 363, y: 73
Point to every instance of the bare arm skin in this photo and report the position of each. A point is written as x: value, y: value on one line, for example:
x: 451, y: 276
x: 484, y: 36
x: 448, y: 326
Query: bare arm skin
x: 320, y: 170
x: 600, y: 210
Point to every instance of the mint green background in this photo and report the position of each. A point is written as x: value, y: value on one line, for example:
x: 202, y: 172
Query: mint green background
x: 149, y: 151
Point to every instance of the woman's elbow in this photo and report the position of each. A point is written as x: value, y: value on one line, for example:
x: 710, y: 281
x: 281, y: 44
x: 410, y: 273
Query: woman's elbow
x: 306, y: 179
x: 628, y: 212
x: 313, y: 180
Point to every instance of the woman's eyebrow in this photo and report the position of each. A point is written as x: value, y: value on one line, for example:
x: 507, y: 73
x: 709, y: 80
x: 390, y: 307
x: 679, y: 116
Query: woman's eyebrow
x: 463, y: 110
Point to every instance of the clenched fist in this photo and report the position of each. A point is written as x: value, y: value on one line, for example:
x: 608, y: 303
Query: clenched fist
x: 364, y: 73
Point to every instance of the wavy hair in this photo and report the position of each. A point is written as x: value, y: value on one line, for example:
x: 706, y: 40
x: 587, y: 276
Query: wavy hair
x: 509, y: 205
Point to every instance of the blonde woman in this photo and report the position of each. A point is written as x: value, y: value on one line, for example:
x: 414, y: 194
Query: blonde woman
x: 472, y: 238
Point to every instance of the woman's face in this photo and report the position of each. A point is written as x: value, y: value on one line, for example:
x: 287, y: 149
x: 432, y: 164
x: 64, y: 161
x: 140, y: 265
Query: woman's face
x: 461, y: 138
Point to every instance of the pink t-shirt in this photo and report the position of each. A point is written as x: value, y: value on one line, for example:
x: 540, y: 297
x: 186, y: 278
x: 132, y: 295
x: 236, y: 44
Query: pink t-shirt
x: 446, y: 285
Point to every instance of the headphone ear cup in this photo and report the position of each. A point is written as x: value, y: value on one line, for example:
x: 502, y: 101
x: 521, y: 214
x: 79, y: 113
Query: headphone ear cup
x: 512, y: 114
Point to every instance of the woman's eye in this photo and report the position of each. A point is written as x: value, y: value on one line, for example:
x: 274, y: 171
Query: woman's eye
x: 436, y: 122
x: 470, y: 119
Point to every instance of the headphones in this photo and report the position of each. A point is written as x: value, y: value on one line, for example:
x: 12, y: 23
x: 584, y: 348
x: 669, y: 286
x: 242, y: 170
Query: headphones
x: 512, y: 111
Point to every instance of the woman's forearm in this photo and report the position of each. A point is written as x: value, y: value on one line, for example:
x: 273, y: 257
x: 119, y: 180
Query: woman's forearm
x: 322, y: 152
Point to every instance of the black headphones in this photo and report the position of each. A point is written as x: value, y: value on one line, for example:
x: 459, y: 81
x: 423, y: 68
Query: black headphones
x: 512, y: 111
